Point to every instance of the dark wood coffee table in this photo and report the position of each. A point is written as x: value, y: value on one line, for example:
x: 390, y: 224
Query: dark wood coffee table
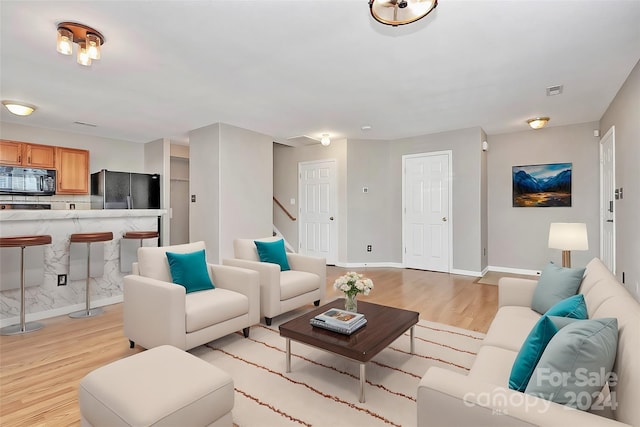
x: 384, y: 325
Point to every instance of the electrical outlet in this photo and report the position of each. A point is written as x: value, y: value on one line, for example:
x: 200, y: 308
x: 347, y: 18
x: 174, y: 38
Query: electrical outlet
x: 368, y: 248
x: 62, y: 280
x: 193, y: 198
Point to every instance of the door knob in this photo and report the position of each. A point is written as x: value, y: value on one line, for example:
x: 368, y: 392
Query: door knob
x: 444, y: 219
x: 330, y: 218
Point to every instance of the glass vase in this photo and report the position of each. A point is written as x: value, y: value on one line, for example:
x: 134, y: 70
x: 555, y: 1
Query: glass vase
x: 351, y: 303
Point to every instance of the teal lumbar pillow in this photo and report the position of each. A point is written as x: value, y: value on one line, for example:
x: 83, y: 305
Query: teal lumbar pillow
x: 274, y: 253
x: 190, y: 270
x: 577, y: 363
x: 574, y: 307
x: 555, y: 284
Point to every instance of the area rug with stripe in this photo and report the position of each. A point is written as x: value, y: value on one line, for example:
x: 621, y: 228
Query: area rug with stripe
x: 322, y: 389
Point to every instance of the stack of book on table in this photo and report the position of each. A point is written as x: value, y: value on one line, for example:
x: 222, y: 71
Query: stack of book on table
x: 340, y: 321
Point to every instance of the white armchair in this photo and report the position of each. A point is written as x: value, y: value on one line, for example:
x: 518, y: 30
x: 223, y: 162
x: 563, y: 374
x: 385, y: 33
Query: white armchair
x: 282, y: 291
x: 158, y: 312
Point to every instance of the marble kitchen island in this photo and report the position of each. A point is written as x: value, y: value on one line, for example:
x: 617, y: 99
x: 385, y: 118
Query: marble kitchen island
x: 43, y: 297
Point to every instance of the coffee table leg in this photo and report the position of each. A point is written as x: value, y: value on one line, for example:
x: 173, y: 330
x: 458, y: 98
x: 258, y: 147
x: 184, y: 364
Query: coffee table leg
x: 363, y: 380
x: 288, y: 355
x: 412, y: 338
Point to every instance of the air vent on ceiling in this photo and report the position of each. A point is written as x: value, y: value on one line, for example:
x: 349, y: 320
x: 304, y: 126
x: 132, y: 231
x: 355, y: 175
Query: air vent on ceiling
x: 85, y: 124
x: 554, y: 90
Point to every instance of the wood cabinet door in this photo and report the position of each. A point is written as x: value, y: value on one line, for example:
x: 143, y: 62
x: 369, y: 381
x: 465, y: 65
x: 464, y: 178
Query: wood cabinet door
x: 10, y: 153
x: 73, y: 171
x: 38, y: 156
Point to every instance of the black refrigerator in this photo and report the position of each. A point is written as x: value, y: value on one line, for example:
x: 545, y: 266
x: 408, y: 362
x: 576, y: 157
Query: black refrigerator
x: 124, y: 190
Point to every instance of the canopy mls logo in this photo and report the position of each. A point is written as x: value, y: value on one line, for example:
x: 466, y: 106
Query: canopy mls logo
x: 501, y: 399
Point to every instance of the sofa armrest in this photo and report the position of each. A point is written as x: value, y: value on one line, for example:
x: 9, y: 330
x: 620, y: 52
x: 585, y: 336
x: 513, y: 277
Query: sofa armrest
x: 241, y: 280
x: 310, y: 264
x: 154, y: 312
x: 449, y: 398
x: 515, y: 291
x: 269, y: 281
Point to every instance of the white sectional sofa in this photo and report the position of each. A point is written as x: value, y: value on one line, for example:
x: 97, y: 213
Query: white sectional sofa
x: 483, y: 397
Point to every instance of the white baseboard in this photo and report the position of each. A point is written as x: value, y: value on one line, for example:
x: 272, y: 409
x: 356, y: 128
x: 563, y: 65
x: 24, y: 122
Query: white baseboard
x: 514, y: 270
x: 369, y: 264
x: 466, y: 272
x: 47, y: 314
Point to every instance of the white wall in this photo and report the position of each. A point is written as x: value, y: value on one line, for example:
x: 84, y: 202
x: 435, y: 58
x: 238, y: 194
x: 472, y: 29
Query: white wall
x: 518, y: 237
x: 624, y: 114
x: 231, y: 175
x: 246, y: 186
x: 204, y: 183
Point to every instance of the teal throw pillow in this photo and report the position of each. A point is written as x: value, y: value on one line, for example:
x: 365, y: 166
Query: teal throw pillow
x: 574, y: 307
x: 533, y: 348
x: 555, y: 284
x: 190, y: 270
x: 273, y: 252
x: 577, y: 363
x: 530, y: 353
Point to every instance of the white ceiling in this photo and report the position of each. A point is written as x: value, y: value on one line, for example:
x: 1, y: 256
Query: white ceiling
x: 288, y: 68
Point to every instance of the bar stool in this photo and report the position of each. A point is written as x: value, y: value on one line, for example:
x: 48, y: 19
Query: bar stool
x: 89, y: 238
x: 22, y: 242
x: 129, y: 235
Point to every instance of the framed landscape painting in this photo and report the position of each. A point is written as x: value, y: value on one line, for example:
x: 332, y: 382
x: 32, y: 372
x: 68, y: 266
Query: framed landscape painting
x: 542, y: 185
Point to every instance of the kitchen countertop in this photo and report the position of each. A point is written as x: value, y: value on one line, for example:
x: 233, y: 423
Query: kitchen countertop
x: 31, y: 215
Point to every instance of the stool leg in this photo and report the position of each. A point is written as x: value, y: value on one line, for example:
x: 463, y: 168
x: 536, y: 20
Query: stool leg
x: 23, y: 327
x: 87, y: 312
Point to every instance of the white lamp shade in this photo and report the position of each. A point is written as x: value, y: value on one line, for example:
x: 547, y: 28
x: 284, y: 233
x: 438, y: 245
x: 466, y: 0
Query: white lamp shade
x: 568, y: 236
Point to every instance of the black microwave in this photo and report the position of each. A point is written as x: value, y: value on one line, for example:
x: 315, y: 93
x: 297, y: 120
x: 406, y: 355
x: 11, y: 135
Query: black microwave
x: 27, y: 181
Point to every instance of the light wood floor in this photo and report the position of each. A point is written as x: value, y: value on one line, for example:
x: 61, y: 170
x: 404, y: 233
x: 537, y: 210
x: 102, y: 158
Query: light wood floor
x: 40, y: 371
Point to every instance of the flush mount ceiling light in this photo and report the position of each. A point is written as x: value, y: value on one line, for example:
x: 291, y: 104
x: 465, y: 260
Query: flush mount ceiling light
x: 325, y: 139
x: 400, y: 12
x: 19, y: 108
x: 538, y: 122
x: 88, y: 39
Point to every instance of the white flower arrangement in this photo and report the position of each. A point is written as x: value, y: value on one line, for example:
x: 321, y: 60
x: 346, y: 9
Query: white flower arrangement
x: 353, y: 283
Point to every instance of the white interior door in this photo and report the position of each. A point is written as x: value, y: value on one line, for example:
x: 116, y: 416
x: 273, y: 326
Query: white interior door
x: 607, y: 200
x: 426, y: 211
x: 318, y: 209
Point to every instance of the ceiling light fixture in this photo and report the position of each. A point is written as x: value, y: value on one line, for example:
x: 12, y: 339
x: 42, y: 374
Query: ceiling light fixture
x: 88, y: 39
x: 538, y: 122
x: 19, y: 108
x: 400, y: 12
x: 325, y: 139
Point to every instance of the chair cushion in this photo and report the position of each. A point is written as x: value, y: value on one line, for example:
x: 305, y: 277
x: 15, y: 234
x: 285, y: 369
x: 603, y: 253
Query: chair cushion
x: 190, y: 270
x: 274, y: 253
x: 576, y: 363
x: 294, y: 283
x: 153, y: 263
x: 214, y: 306
x: 555, y: 284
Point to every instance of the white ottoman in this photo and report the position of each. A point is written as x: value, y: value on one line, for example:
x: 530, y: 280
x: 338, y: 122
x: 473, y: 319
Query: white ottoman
x: 163, y: 386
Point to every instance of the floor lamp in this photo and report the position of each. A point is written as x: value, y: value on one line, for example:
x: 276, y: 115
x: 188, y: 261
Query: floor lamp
x: 568, y: 236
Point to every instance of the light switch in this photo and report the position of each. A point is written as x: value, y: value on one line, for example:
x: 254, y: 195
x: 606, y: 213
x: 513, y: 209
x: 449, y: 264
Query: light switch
x: 292, y: 201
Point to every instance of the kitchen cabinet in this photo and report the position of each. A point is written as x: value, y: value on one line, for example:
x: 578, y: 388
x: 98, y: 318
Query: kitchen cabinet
x: 72, y: 165
x: 14, y: 153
